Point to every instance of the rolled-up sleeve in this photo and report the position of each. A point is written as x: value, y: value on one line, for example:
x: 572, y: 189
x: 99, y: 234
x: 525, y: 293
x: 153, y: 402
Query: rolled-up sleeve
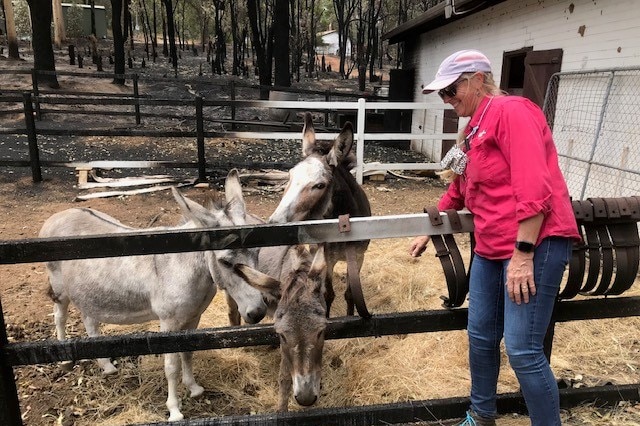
x: 452, y: 199
x: 522, y: 138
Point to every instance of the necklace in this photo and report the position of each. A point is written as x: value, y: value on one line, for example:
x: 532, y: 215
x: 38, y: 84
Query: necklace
x: 474, y: 129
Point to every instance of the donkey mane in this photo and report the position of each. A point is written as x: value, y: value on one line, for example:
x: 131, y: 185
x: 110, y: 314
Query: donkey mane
x: 295, y: 287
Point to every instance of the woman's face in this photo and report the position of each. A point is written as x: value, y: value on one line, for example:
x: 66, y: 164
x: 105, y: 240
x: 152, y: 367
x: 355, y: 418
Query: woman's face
x: 464, y: 101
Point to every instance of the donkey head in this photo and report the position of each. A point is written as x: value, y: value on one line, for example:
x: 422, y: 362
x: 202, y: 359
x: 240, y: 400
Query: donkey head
x: 311, y: 183
x: 300, y: 321
x: 222, y: 263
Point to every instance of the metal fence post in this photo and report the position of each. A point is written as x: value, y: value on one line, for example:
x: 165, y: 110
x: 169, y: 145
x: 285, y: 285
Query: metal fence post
x: 361, y: 120
x: 36, y: 92
x: 202, y: 177
x: 9, y: 402
x: 34, y: 154
x: 596, y: 137
x: 136, y: 95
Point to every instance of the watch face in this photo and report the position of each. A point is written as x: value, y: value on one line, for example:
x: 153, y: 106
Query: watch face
x: 524, y: 246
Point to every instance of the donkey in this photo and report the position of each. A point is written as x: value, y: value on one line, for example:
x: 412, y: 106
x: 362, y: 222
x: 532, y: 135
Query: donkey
x: 300, y: 318
x: 322, y: 187
x: 174, y: 288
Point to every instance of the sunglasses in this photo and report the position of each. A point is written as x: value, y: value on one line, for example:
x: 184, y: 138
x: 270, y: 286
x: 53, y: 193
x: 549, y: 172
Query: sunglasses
x: 451, y: 89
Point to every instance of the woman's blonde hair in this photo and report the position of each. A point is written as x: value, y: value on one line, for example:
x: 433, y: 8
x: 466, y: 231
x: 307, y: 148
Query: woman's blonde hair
x: 489, y: 85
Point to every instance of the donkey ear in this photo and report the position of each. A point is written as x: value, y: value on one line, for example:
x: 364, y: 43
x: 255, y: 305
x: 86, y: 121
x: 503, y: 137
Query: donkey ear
x: 318, y: 272
x: 233, y: 194
x: 341, y: 145
x: 257, y: 279
x: 308, y: 135
x: 194, y: 211
x: 319, y: 263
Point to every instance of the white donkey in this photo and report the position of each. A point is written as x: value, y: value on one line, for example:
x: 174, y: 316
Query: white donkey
x: 174, y: 288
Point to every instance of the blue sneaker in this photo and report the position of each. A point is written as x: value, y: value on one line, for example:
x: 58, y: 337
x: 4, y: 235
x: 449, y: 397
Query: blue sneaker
x: 473, y: 419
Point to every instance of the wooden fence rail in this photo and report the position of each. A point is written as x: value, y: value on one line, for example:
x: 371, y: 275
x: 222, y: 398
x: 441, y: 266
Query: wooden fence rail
x: 198, y: 130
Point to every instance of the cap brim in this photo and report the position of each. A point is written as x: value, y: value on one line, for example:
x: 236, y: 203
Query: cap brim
x: 439, y: 83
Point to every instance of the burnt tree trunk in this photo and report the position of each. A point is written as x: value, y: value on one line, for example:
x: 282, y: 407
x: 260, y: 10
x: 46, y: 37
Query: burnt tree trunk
x: 262, y: 44
x: 281, y: 43
x: 118, y: 42
x: 41, y: 12
x: 171, y: 32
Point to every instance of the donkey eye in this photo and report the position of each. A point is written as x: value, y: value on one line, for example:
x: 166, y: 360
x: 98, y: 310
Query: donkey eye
x: 320, y: 186
x: 226, y: 263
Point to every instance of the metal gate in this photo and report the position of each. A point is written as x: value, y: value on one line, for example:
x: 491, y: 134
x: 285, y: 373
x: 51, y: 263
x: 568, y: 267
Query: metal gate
x: 595, y: 117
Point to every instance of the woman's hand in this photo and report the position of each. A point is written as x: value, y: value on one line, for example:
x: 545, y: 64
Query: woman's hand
x: 418, y: 245
x: 520, y: 282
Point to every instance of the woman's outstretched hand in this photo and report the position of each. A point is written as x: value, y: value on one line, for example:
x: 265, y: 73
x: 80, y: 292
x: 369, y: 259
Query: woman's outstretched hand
x: 418, y: 245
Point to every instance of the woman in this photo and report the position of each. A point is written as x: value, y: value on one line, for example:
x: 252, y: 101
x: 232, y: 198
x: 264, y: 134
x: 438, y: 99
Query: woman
x: 505, y: 171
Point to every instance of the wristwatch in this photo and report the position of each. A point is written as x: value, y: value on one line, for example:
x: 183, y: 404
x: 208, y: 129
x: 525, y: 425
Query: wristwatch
x: 525, y: 246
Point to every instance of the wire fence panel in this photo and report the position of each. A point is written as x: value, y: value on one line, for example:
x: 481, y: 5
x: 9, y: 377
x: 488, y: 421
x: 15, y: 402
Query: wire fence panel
x: 595, y: 116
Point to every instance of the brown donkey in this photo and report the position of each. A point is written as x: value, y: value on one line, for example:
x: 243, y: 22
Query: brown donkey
x: 321, y: 186
x: 300, y: 317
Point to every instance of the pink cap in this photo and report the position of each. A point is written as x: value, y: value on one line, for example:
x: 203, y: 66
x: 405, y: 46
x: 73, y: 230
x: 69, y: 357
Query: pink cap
x: 454, y: 65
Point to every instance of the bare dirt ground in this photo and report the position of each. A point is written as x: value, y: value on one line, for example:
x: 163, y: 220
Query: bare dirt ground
x: 242, y: 381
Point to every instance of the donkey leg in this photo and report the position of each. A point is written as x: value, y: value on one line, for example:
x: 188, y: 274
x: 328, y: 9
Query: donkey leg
x: 188, y: 378
x: 329, y: 294
x: 93, y: 330
x: 171, y: 372
x: 348, y: 295
x: 60, y: 315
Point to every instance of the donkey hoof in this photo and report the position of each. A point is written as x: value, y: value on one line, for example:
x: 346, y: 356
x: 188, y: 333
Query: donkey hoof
x: 109, y: 370
x: 66, y: 365
x: 196, y: 391
x: 175, y: 416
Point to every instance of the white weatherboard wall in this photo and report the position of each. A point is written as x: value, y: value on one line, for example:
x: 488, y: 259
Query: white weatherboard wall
x: 610, y: 39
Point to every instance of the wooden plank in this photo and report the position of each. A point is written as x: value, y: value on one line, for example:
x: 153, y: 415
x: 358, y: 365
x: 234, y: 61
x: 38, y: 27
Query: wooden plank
x: 432, y: 410
x: 107, y: 194
x: 175, y: 241
x: 29, y: 353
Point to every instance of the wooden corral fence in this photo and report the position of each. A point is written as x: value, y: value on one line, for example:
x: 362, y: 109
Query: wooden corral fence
x: 193, y: 87
x: 198, y: 125
x: 602, y: 268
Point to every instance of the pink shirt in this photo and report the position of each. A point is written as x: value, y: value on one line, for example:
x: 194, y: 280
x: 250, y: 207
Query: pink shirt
x: 512, y: 174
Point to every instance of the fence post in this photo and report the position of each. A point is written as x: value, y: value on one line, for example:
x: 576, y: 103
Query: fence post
x: 136, y: 95
x: 361, y: 120
x: 327, y: 98
x: 596, y: 137
x: 36, y: 92
x: 34, y: 154
x: 200, y: 140
x: 9, y: 402
x: 233, y: 106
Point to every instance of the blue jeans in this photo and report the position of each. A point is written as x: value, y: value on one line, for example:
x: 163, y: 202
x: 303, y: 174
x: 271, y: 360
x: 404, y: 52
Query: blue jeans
x: 492, y: 315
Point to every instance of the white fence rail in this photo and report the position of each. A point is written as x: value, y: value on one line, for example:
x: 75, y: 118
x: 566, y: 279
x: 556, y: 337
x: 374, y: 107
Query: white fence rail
x: 360, y: 107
